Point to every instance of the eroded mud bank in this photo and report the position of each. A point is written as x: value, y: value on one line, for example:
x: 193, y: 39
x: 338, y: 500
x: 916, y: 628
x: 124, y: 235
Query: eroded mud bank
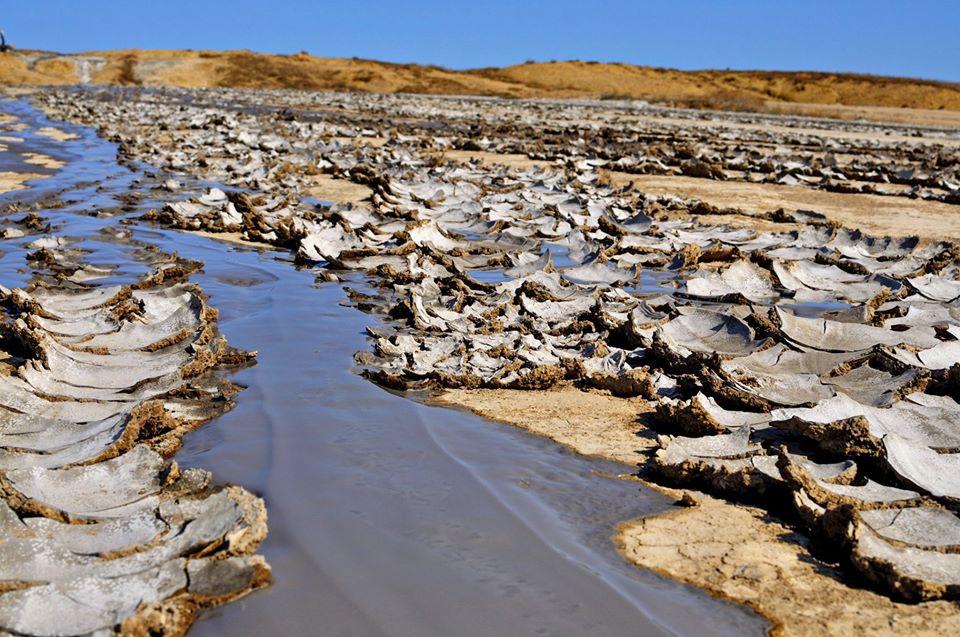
x: 101, y: 379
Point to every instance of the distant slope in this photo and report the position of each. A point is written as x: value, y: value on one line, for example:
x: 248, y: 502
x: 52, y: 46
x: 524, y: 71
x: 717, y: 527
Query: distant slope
x: 731, y: 87
x: 740, y: 90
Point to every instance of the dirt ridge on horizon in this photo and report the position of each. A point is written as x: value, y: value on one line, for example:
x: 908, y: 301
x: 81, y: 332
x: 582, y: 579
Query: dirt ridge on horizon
x: 800, y: 92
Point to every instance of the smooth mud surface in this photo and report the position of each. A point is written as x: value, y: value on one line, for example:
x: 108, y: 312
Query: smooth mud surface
x: 386, y: 516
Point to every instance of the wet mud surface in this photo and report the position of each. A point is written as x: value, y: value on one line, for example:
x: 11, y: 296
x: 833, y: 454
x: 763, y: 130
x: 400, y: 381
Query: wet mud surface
x: 386, y: 517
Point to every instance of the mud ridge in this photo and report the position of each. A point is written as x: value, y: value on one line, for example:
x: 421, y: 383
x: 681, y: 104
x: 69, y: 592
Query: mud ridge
x: 102, y: 531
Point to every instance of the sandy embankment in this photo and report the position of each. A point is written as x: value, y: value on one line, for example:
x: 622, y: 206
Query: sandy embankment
x: 736, y: 552
x: 10, y: 181
x: 836, y: 95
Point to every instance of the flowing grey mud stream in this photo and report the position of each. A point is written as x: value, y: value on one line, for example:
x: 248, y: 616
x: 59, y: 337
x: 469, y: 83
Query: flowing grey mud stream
x: 387, y: 517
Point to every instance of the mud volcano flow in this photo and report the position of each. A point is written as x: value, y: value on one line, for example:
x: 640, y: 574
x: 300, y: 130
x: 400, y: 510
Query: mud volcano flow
x: 787, y: 360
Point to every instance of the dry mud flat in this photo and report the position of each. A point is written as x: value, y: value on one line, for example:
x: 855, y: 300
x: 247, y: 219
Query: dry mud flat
x: 102, y: 532
x: 807, y: 368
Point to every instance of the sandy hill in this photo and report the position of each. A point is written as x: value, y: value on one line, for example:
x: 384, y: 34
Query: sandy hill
x: 736, y: 90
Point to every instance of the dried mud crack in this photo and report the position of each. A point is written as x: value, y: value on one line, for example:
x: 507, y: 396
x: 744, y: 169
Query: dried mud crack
x: 101, y: 531
x: 777, y: 359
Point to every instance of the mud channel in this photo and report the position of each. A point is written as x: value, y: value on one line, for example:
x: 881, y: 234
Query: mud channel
x: 385, y: 516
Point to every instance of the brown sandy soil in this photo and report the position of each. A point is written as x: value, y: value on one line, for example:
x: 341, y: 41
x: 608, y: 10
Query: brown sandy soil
x: 15, y: 69
x: 337, y: 190
x: 921, y: 116
x: 373, y: 142
x: 10, y: 181
x: 741, y: 554
x: 875, y: 214
x: 733, y: 551
x: 733, y: 90
x: 591, y: 423
x: 39, y: 159
x: 819, y: 94
x: 254, y: 70
x: 56, y: 134
x: 235, y: 238
x: 510, y: 160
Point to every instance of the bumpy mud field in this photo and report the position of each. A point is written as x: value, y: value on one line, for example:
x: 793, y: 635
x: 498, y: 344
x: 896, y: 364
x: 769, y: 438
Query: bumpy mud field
x: 758, y: 316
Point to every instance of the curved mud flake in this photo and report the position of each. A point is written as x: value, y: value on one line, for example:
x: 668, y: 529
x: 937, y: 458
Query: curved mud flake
x: 101, y: 528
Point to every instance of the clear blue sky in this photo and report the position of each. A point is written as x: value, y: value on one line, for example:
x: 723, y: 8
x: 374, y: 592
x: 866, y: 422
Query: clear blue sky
x: 918, y: 38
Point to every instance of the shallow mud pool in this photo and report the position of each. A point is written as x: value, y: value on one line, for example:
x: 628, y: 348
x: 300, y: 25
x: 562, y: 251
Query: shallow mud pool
x: 385, y: 516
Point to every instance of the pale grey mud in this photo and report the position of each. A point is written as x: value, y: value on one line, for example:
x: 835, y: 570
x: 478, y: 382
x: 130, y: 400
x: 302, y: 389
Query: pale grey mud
x: 386, y: 517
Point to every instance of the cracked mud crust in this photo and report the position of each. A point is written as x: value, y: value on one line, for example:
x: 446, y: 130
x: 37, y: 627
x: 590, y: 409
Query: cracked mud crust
x: 100, y: 530
x: 734, y: 551
x: 742, y: 554
x: 792, y: 362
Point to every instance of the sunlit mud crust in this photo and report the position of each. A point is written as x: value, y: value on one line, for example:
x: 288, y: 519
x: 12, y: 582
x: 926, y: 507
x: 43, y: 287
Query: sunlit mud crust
x: 795, y: 363
x: 86, y: 212
x: 101, y: 375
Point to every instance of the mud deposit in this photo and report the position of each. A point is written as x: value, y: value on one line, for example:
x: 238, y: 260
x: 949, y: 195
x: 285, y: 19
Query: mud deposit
x: 773, y: 356
x: 386, y: 517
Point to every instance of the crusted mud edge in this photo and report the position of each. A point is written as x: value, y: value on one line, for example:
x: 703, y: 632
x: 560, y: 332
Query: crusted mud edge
x: 101, y: 531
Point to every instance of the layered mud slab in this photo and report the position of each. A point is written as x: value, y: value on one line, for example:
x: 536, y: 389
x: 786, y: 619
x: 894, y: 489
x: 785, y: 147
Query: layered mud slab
x: 803, y: 366
x: 99, y: 382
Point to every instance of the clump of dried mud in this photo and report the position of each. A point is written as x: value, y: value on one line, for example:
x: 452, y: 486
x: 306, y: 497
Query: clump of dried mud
x: 102, y: 532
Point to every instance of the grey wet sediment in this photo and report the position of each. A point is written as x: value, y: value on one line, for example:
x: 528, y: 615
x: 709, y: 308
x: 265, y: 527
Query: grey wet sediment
x: 512, y: 551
